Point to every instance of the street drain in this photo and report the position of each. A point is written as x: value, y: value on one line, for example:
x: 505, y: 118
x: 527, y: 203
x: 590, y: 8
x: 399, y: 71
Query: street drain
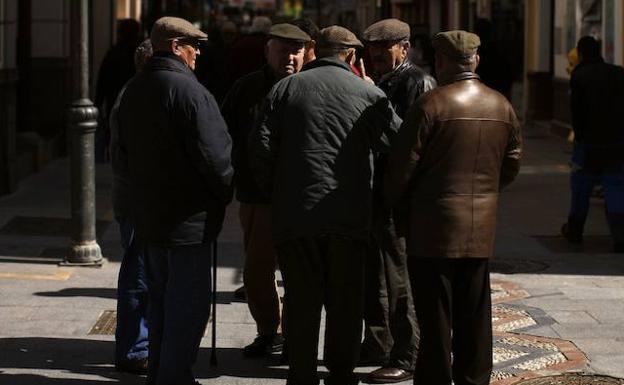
x: 573, y: 379
x: 516, y: 266
x: 105, y: 325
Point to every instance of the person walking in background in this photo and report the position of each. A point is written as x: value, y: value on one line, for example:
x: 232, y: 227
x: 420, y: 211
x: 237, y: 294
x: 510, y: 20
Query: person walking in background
x: 311, y: 153
x: 247, y: 54
x: 596, y: 95
x: 241, y: 108
x: 116, y: 69
x: 131, y: 336
x: 459, y: 145
x: 390, y: 327
x: 179, y: 172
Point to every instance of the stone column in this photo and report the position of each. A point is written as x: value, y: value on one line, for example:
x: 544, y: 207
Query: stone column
x: 82, y: 122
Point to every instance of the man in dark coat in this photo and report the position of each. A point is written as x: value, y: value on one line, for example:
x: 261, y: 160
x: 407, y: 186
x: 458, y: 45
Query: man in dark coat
x: 391, y: 331
x: 597, y: 93
x: 458, y: 146
x: 241, y: 109
x: 312, y: 154
x: 178, y: 154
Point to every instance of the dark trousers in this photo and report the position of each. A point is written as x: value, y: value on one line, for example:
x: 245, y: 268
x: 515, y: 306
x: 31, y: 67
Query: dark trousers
x: 453, y: 305
x: 390, y: 328
x: 179, y: 307
x: 322, y: 271
x: 582, y: 183
x: 131, y: 341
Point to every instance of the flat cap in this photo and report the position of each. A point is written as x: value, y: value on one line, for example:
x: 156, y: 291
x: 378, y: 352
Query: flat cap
x: 168, y: 28
x: 456, y: 44
x: 338, y: 37
x: 290, y: 32
x: 387, y: 30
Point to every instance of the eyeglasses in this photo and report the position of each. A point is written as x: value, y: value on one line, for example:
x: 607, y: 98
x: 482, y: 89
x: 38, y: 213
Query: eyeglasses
x: 193, y: 43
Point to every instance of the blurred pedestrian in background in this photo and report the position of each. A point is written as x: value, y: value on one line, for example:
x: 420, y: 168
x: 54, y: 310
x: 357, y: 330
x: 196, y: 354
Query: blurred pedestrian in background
x: 285, y: 56
x: 391, y: 330
x: 247, y: 54
x: 596, y: 95
x: 179, y: 172
x: 312, y: 154
x: 116, y: 69
x: 307, y: 25
x: 212, y: 71
x: 131, y: 335
x: 459, y: 145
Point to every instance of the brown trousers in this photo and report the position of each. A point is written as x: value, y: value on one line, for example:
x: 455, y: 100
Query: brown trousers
x: 260, y: 265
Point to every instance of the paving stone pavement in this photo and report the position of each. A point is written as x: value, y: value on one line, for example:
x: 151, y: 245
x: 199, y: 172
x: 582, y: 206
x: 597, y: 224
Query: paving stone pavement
x: 547, y: 294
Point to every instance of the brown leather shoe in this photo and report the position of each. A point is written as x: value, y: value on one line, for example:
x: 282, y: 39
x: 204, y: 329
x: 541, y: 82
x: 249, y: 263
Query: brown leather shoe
x: 388, y: 376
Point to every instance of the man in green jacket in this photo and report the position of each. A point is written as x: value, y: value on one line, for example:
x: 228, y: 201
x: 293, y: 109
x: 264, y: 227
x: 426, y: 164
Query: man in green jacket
x: 312, y: 153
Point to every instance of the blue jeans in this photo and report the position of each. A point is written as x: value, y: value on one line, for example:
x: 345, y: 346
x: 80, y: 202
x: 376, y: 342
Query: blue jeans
x: 179, y: 307
x: 582, y: 184
x: 131, y: 341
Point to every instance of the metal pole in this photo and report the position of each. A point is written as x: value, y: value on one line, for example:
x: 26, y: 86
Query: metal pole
x: 82, y: 122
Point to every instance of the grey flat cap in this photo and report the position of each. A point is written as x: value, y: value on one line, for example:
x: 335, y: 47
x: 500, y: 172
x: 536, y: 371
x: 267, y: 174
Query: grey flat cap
x: 457, y: 44
x: 168, y: 28
x: 289, y: 32
x: 387, y: 30
x: 337, y: 37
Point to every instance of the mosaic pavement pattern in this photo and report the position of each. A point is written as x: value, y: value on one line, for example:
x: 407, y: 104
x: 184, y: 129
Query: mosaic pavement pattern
x: 518, y: 355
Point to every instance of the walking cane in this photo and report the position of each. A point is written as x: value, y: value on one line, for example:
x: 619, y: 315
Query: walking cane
x: 213, y: 355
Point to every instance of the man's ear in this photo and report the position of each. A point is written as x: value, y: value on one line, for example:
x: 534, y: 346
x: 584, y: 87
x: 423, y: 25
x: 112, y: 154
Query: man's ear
x: 350, y: 59
x: 477, y: 61
x: 173, y: 46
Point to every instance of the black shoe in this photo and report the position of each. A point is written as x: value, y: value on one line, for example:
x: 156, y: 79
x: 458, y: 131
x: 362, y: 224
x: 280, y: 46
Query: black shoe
x: 240, y: 294
x: 571, y: 237
x: 138, y: 366
x: 264, y: 345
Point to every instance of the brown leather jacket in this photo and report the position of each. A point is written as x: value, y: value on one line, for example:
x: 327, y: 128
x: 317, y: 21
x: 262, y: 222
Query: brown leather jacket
x: 459, y: 145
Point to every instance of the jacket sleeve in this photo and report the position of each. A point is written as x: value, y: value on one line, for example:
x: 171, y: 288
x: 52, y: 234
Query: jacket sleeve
x: 405, y: 154
x: 513, y: 153
x: 577, y: 108
x: 209, y: 146
x: 263, y: 145
x: 383, y: 124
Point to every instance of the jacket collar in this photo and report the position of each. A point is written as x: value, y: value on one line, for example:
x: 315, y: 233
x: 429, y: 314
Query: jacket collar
x: 166, y: 61
x: 327, y: 61
x: 466, y: 75
x: 397, y: 71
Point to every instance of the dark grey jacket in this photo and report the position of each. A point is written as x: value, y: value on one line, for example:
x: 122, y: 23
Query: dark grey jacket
x: 312, y: 150
x: 177, y: 149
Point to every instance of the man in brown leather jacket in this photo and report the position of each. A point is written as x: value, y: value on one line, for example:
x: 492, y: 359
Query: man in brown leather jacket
x: 459, y: 145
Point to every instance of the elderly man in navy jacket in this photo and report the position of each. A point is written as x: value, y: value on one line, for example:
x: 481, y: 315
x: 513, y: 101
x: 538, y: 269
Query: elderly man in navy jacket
x: 179, y: 169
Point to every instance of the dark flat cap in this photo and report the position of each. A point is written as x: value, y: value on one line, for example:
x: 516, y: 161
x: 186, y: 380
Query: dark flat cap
x: 168, y: 28
x: 338, y: 37
x: 290, y: 32
x: 456, y: 44
x: 387, y: 30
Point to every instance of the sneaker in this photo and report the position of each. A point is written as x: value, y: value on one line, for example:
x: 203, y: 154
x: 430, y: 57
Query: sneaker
x: 571, y: 237
x: 264, y: 345
x: 138, y: 366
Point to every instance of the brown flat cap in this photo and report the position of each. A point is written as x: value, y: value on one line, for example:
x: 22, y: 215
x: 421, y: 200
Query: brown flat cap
x: 168, y: 28
x: 387, y: 30
x: 290, y: 32
x: 456, y: 44
x: 338, y: 37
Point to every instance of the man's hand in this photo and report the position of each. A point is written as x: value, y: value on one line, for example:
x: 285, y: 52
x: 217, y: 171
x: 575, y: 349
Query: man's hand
x: 363, y: 72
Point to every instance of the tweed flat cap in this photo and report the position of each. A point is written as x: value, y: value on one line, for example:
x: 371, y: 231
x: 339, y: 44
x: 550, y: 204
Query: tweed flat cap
x: 289, y: 32
x: 456, y: 44
x: 337, y: 37
x: 387, y: 30
x: 168, y: 28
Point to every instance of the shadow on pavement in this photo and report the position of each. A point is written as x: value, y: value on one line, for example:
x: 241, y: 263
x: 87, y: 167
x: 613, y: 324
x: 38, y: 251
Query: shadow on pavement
x: 75, y: 359
x: 98, y: 292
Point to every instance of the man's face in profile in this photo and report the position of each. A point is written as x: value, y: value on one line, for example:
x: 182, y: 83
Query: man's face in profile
x: 187, y: 50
